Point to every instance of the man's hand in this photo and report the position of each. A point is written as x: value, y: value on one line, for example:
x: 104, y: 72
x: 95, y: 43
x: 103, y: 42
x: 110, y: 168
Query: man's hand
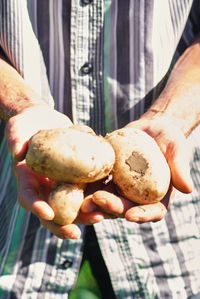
x: 33, y: 192
x: 34, y: 189
x: 175, y: 148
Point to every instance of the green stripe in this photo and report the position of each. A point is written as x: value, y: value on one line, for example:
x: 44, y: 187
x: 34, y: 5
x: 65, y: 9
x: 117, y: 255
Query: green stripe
x: 106, y: 72
x: 16, y: 240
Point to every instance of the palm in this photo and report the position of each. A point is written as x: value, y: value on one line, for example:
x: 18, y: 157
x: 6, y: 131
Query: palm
x: 174, y: 146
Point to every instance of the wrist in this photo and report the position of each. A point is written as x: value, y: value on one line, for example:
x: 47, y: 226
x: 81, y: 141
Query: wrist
x: 15, y: 94
x: 14, y: 111
x: 20, y: 104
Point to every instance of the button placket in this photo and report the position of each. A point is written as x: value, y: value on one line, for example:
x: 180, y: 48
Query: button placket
x: 86, y: 69
x: 79, y: 56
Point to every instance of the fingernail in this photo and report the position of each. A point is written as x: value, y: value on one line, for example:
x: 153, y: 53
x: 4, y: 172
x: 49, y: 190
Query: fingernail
x: 136, y: 216
x: 100, y: 201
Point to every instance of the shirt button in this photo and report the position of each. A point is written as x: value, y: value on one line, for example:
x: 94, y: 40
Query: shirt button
x: 85, y: 2
x: 86, y: 68
x: 66, y: 264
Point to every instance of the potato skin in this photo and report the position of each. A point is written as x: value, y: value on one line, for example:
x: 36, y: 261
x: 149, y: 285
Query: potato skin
x: 66, y: 199
x: 140, y: 172
x: 70, y: 155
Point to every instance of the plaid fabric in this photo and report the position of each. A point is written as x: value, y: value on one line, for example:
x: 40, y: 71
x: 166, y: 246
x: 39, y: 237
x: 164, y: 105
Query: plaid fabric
x: 103, y: 63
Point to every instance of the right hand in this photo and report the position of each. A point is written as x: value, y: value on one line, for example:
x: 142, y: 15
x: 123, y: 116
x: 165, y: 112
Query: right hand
x: 33, y: 189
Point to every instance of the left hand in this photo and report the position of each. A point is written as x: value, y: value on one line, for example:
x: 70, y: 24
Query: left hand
x: 174, y: 146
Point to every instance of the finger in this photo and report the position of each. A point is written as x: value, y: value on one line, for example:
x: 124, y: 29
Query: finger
x: 17, y: 145
x: 178, y: 157
x: 19, y: 149
x: 29, y: 193
x: 111, y: 203
x: 100, y: 211
x: 108, y: 202
x: 146, y: 213
x: 88, y: 205
x: 150, y: 212
x: 70, y: 231
x: 90, y: 218
x: 37, y: 206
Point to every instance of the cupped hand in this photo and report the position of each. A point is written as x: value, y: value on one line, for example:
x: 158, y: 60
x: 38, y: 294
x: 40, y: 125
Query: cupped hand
x: 34, y: 189
x: 175, y: 148
x: 33, y: 192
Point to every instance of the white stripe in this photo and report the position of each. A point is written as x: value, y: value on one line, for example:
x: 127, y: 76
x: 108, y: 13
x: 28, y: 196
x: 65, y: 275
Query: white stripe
x: 73, y: 58
x: 143, y: 43
x: 51, y: 44
x: 60, y: 54
x: 56, y: 53
x: 132, y: 63
x: 33, y: 64
x: 137, y: 88
x: 163, y: 43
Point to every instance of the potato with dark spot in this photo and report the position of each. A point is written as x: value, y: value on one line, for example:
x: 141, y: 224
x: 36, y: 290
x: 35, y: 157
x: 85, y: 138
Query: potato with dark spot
x: 140, y: 172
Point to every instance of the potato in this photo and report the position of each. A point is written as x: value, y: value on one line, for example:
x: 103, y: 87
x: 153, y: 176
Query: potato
x: 140, y: 172
x: 70, y: 155
x: 66, y: 199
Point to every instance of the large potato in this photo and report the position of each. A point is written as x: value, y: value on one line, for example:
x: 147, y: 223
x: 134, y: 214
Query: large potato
x: 140, y: 170
x: 66, y: 199
x: 70, y: 155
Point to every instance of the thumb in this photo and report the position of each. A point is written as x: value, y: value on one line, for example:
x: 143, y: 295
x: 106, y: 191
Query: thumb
x: 18, y: 149
x: 17, y: 143
x: 178, y: 157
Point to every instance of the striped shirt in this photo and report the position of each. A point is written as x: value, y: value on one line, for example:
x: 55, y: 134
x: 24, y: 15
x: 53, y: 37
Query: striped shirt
x: 102, y: 63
